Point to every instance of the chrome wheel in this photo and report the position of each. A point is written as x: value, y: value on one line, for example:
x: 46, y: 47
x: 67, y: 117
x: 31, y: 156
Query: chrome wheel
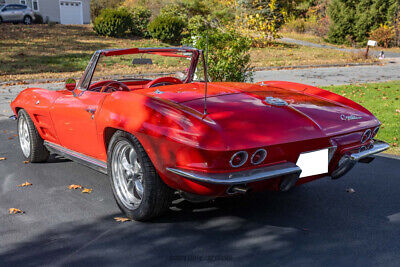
x: 127, y: 174
x: 23, y: 134
x: 27, y: 20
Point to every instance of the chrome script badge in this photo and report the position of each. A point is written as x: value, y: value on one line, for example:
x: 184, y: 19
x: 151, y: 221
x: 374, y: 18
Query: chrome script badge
x: 349, y: 117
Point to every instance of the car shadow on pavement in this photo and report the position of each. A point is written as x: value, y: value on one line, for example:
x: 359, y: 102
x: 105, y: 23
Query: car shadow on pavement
x: 320, y: 223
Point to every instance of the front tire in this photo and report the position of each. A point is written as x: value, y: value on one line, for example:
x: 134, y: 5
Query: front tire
x: 29, y: 139
x: 138, y: 190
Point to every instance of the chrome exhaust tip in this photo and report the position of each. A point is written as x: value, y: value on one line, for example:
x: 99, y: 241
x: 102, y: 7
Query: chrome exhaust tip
x: 288, y: 182
x: 238, y: 189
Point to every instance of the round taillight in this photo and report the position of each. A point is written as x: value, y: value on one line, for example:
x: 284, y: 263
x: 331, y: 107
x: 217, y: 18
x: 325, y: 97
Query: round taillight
x: 366, y: 135
x: 371, y: 146
x: 375, y: 132
x: 258, y: 156
x: 238, y: 159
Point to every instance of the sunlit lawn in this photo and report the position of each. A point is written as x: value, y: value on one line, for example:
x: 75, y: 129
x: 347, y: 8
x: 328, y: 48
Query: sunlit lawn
x: 383, y: 100
x: 59, y: 51
x: 282, y: 54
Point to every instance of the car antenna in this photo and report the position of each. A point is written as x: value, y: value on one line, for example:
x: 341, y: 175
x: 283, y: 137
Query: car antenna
x: 205, y: 74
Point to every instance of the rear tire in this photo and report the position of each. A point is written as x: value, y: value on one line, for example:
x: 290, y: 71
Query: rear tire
x: 1, y: 20
x: 29, y: 139
x: 138, y: 189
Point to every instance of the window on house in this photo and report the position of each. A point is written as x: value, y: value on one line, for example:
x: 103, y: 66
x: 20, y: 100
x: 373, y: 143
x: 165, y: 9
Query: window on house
x: 35, y: 5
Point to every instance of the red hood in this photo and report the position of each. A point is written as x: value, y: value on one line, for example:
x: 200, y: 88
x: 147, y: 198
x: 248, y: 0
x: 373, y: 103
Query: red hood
x: 241, y: 111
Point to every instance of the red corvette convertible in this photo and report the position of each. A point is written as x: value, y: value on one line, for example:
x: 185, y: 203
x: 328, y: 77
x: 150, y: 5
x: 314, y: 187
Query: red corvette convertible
x: 156, y: 134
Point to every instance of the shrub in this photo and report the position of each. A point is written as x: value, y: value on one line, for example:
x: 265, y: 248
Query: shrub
x: 229, y: 58
x: 196, y: 25
x: 167, y: 28
x: 312, y: 25
x: 174, y: 10
x: 113, y: 22
x: 384, y: 35
x: 296, y: 25
x: 96, y: 6
x: 140, y: 21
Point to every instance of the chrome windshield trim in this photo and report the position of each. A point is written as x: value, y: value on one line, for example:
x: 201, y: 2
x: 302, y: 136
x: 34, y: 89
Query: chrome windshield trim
x: 84, y: 82
x: 240, y: 177
x: 379, y: 146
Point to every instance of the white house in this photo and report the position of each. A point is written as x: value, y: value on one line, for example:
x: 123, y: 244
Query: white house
x: 61, y: 11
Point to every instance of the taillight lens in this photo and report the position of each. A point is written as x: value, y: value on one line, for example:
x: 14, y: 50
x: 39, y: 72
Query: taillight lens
x: 238, y: 159
x: 375, y: 132
x: 366, y: 135
x: 258, y: 156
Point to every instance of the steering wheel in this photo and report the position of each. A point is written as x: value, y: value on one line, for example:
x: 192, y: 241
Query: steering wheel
x: 164, y: 80
x: 120, y: 86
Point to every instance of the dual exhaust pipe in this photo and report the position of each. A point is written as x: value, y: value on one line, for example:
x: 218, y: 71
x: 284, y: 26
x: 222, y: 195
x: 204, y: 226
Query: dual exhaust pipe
x: 286, y: 183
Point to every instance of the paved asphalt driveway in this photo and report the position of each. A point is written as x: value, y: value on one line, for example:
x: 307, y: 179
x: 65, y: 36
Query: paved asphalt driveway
x: 318, y: 224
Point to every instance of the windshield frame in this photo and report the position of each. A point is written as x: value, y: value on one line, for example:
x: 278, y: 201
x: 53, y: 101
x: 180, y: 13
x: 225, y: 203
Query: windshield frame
x: 87, y: 76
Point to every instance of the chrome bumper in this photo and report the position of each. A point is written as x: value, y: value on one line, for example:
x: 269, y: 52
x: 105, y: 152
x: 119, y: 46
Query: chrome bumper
x: 278, y: 170
x: 348, y: 161
x: 240, y: 177
x: 379, y: 146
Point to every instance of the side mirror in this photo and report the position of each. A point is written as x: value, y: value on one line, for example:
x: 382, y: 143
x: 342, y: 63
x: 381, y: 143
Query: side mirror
x: 70, y: 84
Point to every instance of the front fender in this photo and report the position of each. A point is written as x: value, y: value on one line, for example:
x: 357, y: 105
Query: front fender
x: 37, y: 102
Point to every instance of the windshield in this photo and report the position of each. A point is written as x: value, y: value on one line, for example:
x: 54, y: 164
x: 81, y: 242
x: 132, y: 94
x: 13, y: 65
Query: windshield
x: 143, y: 66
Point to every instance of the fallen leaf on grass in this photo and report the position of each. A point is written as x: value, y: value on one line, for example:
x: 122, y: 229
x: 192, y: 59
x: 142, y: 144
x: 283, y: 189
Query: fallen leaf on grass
x: 75, y: 186
x: 121, y: 219
x: 25, y: 184
x: 350, y: 190
x: 15, y: 211
x: 87, y: 190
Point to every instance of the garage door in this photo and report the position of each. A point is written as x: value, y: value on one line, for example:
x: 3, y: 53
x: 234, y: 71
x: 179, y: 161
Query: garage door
x: 71, y: 12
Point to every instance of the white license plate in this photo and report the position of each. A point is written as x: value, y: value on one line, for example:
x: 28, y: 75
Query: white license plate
x: 313, y: 163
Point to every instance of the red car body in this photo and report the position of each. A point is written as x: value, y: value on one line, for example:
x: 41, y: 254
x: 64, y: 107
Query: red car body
x: 191, y: 150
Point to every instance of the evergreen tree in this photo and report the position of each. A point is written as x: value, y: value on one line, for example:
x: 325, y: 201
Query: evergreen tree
x: 353, y: 20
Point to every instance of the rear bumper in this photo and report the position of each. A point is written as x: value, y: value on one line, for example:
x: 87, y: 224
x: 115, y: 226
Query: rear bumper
x: 287, y: 169
x: 347, y: 162
x: 240, y: 177
x: 378, y: 147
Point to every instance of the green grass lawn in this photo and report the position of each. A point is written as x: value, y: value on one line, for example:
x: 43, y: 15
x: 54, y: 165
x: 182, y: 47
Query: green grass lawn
x: 62, y: 51
x: 383, y: 100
